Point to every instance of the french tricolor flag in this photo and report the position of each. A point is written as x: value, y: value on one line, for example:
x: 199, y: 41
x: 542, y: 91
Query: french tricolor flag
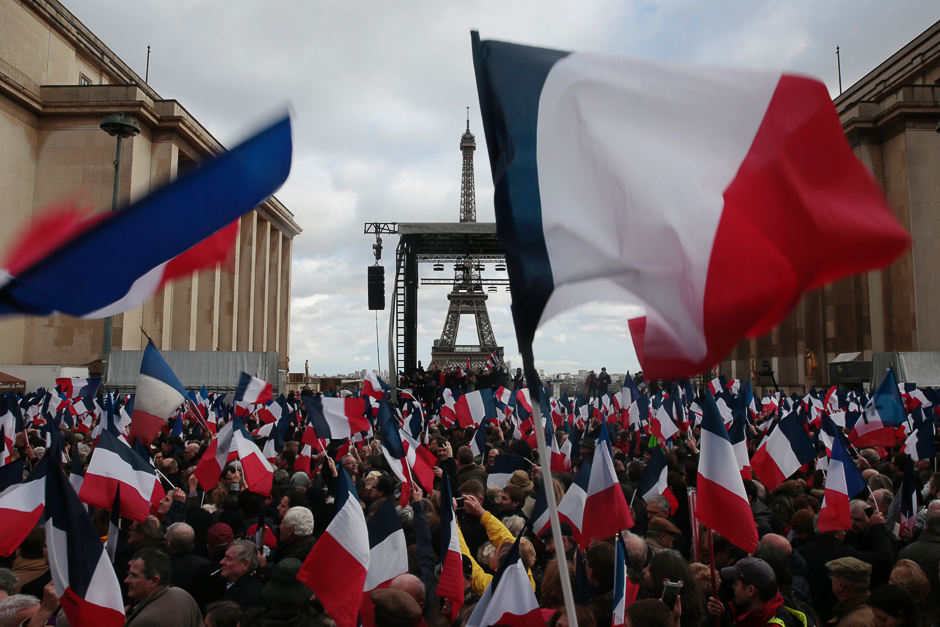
x: 704, y: 168
x: 187, y: 225
x: 883, y: 414
x: 571, y: 508
x: 738, y: 435
x: 605, y: 508
x: 388, y: 555
x: 843, y: 483
x: 336, y: 418
x: 113, y: 463
x: 273, y: 411
x: 77, y: 387
x: 337, y: 567
x: 451, y: 582
x: 783, y: 453
x: 503, y: 467
x: 509, y: 599
x: 159, y: 394
x: 252, y: 390
x: 653, y: 480
x: 21, y: 505
x: 374, y: 386
x: 475, y: 407
x: 625, y: 591
x: 722, y: 502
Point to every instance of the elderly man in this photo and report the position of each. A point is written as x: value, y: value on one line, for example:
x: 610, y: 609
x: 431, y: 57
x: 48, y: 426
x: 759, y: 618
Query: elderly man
x: 851, y: 579
x: 238, y: 569
x: 181, y: 539
x: 296, y: 535
x: 25, y: 610
x: 661, y: 534
x: 155, y: 603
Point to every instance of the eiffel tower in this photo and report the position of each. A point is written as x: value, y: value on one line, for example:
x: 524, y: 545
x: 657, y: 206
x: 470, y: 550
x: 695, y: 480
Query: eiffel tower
x: 467, y: 297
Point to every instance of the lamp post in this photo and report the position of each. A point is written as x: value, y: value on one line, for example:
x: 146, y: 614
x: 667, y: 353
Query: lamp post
x: 117, y: 125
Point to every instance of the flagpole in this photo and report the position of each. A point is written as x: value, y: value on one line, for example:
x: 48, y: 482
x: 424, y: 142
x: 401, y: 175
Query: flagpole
x: 535, y: 395
x: 714, y: 575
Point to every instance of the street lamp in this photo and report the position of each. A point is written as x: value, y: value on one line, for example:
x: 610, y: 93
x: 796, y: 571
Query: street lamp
x: 117, y: 125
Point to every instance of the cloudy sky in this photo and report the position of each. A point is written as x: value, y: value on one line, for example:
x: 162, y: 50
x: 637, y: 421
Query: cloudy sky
x: 379, y: 92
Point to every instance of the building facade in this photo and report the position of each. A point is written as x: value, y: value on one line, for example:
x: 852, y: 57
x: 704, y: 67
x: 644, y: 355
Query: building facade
x: 890, y: 118
x: 57, y: 82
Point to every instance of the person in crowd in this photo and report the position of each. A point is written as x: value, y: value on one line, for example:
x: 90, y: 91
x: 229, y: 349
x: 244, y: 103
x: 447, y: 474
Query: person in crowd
x: 757, y: 598
x: 892, y: 606
x: 296, y: 535
x: 180, y: 540
x: 851, y: 579
x: 925, y: 550
x: 23, y: 610
x: 286, y: 597
x: 223, y: 614
x: 238, y: 568
x: 661, y: 534
x: 30, y: 564
x: 9, y: 582
x: 155, y: 603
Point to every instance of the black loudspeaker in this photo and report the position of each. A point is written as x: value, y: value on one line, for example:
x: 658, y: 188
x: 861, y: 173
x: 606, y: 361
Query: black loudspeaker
x: 376, y: 288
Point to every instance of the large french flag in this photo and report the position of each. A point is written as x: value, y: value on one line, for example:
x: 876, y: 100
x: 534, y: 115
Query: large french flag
x: 259, y: 474
x: 475, y: 407
x: 388, y: 555
x: 509, y: 599
x: 374, y: 386
x: 722, y: 501
x: 337, y: 567
x: 187, y: 225
x: 783, y: 453
x: 252, y: 390
x: 450, y: 584
x: 843, y: 483
x: 21, y: 506
x: 670, y: 175
x: 571, y: 508
x: 883, y: 414
x: 74, y: 387
x: 159, y: 395
x: 83, y: 575
x: 336, y: 418
x: 605, y: 508
x: 113, y: 463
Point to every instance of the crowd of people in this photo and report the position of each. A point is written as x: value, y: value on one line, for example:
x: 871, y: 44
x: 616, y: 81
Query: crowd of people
x: 201, y: 557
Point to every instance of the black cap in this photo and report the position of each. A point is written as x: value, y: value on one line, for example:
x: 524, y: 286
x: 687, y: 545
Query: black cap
x: 751, y: 570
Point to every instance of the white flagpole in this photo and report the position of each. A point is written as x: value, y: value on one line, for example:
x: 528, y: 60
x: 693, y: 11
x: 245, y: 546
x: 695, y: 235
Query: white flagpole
x: 545, y: 459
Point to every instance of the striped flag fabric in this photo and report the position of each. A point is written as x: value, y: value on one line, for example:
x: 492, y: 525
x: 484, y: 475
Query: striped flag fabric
x: 478, y: 442
x: 605, y: 508
x: 625, y: 591
x: 74, y: 387
x: 21, y: 507
x: 475, y: 407
x: 114, y: 464
x: 653, y: 480
x: 274, y: 410
x: 745, y: 151
x: 84, y: 578
x: 920, y: 443
x: 388, y: 553
x: 783, y: 452
x: 908, y: 497
x: 843, y: 483
x: 450, y: 585
x: 374, y: 386
x: 722, y: 503
x: 336, y: 418
x: 259, y: 474
x: 509, y: 599
x: 189, y: 224
x: 159, y: 394
x: 252, y: 390
x: 882, y: 415
x: 114, y: 524
x: 221, y: 450
x: 571, y: 509
x: 738, y: 435
x: 493, y: 360
x: 503, y: 467
x: 337, y: 567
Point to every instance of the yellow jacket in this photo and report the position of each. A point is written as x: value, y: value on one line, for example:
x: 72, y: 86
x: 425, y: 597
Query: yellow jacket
x: 498, y: 534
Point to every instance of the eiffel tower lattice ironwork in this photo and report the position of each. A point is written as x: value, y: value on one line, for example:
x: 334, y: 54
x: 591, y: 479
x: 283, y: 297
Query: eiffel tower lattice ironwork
x: 467, y: 297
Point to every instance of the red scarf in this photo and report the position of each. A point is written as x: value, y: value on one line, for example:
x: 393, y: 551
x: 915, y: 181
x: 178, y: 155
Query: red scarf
x: 760, y: 616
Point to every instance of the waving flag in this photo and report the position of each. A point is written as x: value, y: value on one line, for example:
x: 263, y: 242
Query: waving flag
x: 374, y: 386
x: 274, y: 410
x: 493, y: 360
x: 475, y: 407
x: 503, y: 467
x: 252, y: 390
x: 571, y: 508
x: 159, y: 394
x: 77, y: 387
x: 336, y: 418
x: 653, y: 480
x: 259, y: 474
x: 187, y: 225
x: 478, y: 442
x: 783, y: 453
x: 450, y: 584
x: 843, y: 483
x: 388, y: 553
x: 221, y: 450
x: 920, y: 443
x: 605, y: 508
x: 21, y: 506
x: 722, y: 503
x: 337, y: 567
x: 114, y: 463
x: 84, y: 578
x: 625, y: 591
x: 114, y: 524
x: 738, y: 435
x: 706, y: 166
x: 883, y: 414
x: 509, y: 599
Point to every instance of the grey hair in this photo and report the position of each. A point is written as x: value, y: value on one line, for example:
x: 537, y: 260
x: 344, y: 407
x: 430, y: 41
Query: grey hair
x: 300, y: 519
x: 661, y: 501
x: 407, y: 516
x: 515, y: 524
x: 181, y: 537
x: 932, y: 522
x: 246, y: 551
x: 8, y: 581
x: 11, y: 606
x: 485, y: 552
x: 637, y: 549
